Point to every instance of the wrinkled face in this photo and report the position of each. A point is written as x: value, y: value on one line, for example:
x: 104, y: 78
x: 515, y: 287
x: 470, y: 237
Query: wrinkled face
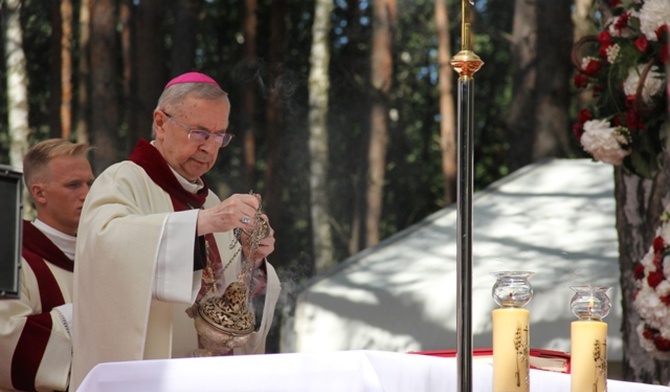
x: 190, y: 157
x: 60, y: 190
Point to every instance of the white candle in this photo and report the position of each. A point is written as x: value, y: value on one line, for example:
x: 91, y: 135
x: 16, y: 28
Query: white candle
x: 510, y: 350
x: 588, y: 352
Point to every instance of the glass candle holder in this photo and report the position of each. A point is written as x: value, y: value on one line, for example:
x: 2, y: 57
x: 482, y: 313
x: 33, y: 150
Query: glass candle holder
x: 588, y: 338
x: 590, y: 302
x: 511, y: 331
x: 512, y: 288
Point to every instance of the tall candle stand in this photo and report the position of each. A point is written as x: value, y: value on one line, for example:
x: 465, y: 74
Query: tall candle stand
x: 588, y: 339
x: 511, y: 331
x: 466, y: 63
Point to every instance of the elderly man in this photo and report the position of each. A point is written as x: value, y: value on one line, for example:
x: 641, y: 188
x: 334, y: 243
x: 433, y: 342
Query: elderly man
x: 154, y: 239
x: 35, y: 330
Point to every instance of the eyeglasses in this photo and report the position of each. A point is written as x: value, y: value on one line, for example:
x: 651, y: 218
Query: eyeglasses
x: 222, y: 139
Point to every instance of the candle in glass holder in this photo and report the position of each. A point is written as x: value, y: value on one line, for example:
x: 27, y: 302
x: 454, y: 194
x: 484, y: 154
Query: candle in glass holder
x: 511, y: 331
x: 588, y: 339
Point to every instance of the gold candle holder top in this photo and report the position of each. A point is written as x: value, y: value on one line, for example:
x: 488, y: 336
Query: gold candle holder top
x: 466, y: 62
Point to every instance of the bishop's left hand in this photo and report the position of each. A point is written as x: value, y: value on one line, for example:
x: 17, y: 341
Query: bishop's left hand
x: 265, y: 247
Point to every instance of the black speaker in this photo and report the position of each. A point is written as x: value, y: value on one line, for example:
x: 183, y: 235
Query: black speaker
x: 11, y: 230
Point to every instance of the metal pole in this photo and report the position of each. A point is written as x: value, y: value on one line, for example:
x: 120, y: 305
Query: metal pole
x: 466, y: 63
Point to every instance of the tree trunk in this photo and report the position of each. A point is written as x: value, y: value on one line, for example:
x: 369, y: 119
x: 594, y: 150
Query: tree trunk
x: 381, y: 73
x: 319, y: 85
x: 274, y: 176
x: 104, y: 94
x: 355, y: 55
x: 554, y: 70
x: 274, y: 115
x: 55, y: 43
x: 149, y: 73
x: 66, y: 68
x: 249, y: 70
x: 127, y: 50
x: 17, y: 92
x: 447, y: 111
x: 640, y: 203
x: 521, y: 121
x: 84, y: 89
x: 184, y: 36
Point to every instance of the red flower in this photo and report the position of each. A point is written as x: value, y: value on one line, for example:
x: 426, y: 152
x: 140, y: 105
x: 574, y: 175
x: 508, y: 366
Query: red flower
x: 642, y: 44
x: 633, y: 120
x: 604, y: 37
x: 605, y: 40
x: 665, y: 299
x: 648, y: 334
x: 658, y: 244
x: 593, y: 67
x: 615, y: 3
x: 581, y: 81
x: 661, y: 343
x: 655, y: 278
x: 584, y: 115
x: 638, y: 271
x: 622, y: 21
x: 664, y: 54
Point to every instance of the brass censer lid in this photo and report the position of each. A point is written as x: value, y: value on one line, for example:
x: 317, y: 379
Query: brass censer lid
x: 229, y: 313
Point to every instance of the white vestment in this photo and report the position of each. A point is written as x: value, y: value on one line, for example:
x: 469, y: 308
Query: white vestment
x: 134, y: 274
x: 35, y: 348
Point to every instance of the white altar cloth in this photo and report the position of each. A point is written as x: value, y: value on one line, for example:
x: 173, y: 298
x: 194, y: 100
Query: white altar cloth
x: 341, y: 371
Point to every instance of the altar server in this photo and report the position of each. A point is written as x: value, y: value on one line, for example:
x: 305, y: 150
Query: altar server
x: 150, y: 231
x: 35, y: 346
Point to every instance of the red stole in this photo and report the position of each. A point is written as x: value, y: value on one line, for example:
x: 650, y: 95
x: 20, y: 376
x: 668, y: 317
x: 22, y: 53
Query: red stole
x: 36, y: 332
x: 149, y: 158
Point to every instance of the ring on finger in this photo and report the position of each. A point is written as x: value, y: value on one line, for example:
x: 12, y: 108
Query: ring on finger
x: 246, y: 220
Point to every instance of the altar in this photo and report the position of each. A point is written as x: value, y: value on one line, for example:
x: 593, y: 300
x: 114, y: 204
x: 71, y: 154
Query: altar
x: 339, y: 371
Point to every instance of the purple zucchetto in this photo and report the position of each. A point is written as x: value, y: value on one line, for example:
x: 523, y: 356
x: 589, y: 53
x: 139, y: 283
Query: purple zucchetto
x: 192, y: 77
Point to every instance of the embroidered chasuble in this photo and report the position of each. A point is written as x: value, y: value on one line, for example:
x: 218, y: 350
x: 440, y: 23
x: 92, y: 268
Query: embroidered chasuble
x: 140, y: 265
x: 153, y: 163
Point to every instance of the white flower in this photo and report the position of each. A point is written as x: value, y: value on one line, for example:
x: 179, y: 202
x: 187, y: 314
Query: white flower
x: 663, y: 288
x: 612, y: 52
x: 651, y: 308
x: 603, y: 142
x: 653, y: 14
x: 664, y: 232
x: 653, y: 83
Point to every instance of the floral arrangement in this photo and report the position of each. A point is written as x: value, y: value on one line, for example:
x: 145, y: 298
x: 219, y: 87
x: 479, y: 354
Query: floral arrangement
x: 652, y: 295
x: 623, y: 71
x: 625, y: 75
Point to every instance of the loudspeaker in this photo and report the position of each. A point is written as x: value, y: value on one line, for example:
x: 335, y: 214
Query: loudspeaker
x: 11, y: 231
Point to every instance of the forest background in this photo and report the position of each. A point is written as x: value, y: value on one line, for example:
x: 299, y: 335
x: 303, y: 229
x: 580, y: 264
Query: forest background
x: 343, y: 110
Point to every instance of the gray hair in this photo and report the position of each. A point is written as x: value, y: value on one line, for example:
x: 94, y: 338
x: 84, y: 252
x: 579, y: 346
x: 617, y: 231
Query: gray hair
x: 174, y: 95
